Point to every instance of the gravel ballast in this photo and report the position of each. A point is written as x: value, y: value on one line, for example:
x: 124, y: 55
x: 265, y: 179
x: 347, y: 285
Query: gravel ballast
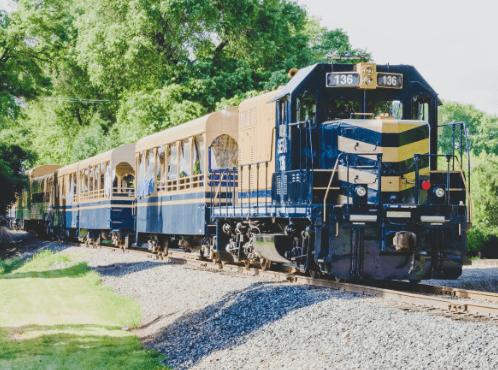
x: 207, y: 320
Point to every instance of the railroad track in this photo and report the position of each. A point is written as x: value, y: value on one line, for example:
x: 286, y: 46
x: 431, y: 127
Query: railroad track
x: 460, y: 304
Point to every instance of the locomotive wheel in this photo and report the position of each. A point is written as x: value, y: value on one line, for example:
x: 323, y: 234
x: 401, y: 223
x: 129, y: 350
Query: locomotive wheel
x: 265, y: 264
x: 247, y: 264
x: 202, y: 257
x: 314, y: 274
x: 165, y: 249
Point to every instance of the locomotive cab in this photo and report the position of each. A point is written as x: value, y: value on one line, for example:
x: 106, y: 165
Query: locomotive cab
x: 368, y: 139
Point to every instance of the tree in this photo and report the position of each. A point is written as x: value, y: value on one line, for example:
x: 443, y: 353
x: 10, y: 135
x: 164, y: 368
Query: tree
x: 484, y: 179
x: 12, y: 179
x: 30, y: 39
x: 122, y: 69
x: 483, y: 128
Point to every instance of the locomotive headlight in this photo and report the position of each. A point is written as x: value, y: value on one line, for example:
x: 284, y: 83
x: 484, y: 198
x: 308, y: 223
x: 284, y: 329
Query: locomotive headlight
x: 368, y: 71
x: 368, y: 80
x: 361, y: 191
x: 439, y: 192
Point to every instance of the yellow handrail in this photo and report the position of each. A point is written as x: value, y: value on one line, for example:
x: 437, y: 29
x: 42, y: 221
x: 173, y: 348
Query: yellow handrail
x: 328, y: 189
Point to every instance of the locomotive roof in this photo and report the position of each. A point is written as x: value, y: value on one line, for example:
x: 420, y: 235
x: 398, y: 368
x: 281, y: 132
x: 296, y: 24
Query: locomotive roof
x: 314, y: 77
x: 213, y: 124
x: 39, y: 171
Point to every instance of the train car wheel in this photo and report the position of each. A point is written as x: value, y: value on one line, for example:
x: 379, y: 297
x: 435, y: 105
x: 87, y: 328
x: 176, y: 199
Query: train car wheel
x: 265, y: 264
x: 314, y: 274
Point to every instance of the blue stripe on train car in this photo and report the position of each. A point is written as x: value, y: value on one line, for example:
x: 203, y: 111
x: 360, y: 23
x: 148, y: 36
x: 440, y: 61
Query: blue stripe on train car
x: 173, y: 214
x: 106, y: 214
x: 69, y: 214
x: 103, y: 215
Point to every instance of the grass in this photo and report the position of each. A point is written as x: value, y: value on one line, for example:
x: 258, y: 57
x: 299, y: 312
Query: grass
x: 476, y: 258
x: 63, y: 318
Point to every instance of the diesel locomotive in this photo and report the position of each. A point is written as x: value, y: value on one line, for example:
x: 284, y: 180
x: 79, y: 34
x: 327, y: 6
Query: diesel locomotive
x: 335, y: 173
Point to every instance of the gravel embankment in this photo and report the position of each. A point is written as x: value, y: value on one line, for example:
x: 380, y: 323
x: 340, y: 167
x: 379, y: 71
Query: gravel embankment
x: 484, y: 278
x: 206, y: 320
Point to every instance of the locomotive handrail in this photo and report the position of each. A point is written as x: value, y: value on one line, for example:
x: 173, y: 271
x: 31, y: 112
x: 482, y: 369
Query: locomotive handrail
x: 361, y: 151
x: 467, y: 191
x: 335, y: 170
x: 328, y: 187
x: 233, y: 177
x: 448, y: 172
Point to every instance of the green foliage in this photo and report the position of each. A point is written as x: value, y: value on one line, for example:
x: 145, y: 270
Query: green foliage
x: 142, y: 113
x: 483, y: 142
x: 8, y: 265
x: 109, y: 73
x: 29, y: 38
x: 12, y: 179
x: 483, y: 128
x: 484, y: 192
x: 91, y: 140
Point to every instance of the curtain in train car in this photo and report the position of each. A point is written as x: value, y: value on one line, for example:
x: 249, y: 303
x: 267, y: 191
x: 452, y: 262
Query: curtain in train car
x: 149, y: 174
x: 70, y: 190
x: 185, y: 159
x: 108, y: 181
x: 173, y: 162
x: 198, y: 160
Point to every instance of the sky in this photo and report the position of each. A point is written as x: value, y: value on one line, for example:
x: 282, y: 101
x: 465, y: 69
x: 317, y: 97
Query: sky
x: 451, y: 43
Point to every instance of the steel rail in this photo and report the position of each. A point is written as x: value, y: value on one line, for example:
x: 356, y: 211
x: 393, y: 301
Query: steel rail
x: 394, y: 291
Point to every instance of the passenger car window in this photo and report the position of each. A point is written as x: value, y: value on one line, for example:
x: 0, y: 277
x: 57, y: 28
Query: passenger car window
x: 223, y: 152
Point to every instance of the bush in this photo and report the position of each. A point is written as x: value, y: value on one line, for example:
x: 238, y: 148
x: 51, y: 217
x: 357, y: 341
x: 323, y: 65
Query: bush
x: 475, y: 240
x: 482, y: 240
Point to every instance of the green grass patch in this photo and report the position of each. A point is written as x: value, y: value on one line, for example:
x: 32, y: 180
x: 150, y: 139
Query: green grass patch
x: 10, y: 264
x: 63, y: 318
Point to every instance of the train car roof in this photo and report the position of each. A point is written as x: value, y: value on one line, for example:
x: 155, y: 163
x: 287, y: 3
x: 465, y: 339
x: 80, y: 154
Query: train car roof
x: 260, y: 99
x: 124, y: 153
x: 39, y: 171
x: 213, y: 124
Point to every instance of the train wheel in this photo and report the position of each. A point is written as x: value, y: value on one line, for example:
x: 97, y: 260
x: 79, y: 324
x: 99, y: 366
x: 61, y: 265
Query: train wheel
x: 247, y: 264
x: 202, y: 256
x: 265, y: 264
x: 314, y: 274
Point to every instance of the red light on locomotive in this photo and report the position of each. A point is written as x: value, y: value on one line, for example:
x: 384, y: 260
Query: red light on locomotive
x: 426, y: 185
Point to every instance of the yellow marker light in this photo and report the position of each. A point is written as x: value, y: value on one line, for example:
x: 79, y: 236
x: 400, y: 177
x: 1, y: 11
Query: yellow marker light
x: 368, y: 75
